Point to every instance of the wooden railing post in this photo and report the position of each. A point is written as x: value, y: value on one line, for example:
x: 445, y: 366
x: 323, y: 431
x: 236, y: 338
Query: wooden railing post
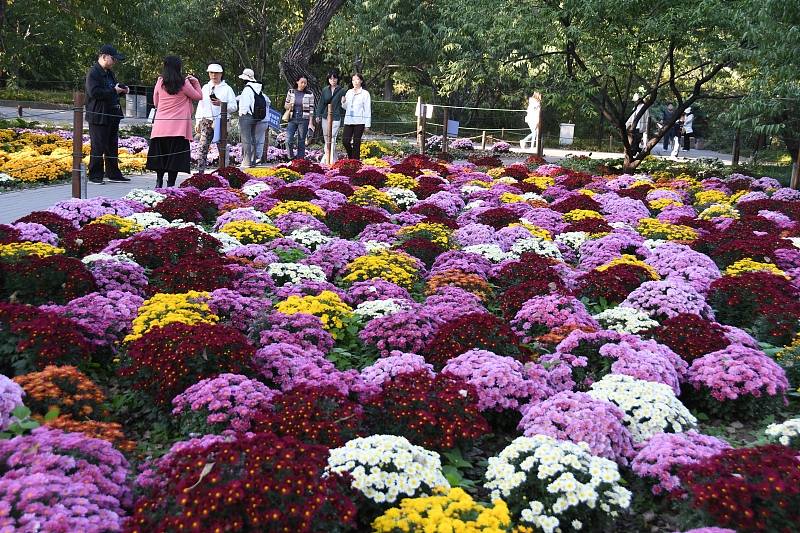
x: 331, y: 142
x: 77, y: 143
x: 222, y: 145
x: 444, y: 133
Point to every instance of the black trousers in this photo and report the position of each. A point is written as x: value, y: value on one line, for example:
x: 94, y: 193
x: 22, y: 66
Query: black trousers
x: 687, y: 141
x: 354, y: 132
x: 105, y: 143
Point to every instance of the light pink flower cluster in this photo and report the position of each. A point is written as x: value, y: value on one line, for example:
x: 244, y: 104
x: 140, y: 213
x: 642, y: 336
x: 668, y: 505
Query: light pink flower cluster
x: 737, y: 370
x: 663, y: 453
x: 644, y: 360
x: 668, y: 298
x: 230, y: 398
x: 502, y: 382
x: 577, y: 417
x: 395, y: 364
x: 10, y: 396
x: 540, y: 314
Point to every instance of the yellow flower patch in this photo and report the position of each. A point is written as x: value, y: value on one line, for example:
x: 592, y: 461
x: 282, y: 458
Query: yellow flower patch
x: 580, y: 214
x: 652, y: 228
x: 719, y: 211
x: 628, y: 259
x: 125, y: 226
x: 163, y: 309
x: 511, y: 198
x: 30, y: 166
x: 400, y: 181
x: 327, y: 306
x: 14, y: 251
x: 435, y: 233
x: 375, y: 162
x: 286, y: 174
x: 370, y: 196
x: 294, y: 206
x: 750, y: 265
x: 251, y: 232
x: 395, y: 267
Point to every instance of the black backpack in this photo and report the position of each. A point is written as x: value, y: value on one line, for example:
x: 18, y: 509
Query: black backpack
x: 259, y: 105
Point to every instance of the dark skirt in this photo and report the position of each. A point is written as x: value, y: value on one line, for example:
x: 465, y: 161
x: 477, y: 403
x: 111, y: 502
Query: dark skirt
x: 169, y: 153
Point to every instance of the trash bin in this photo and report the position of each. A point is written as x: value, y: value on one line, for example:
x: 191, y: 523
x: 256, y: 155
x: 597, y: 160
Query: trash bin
x: 142, y: 95
x: 566, y: 134
x: 130, y: 106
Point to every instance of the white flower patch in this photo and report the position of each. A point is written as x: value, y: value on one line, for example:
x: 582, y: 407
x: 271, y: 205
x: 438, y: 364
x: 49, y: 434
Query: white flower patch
x: 473, y: 204
x: 625, y: 320
x: 403, y: 198
x: 652, y: 244
x: 5, y: 178
x: 310, y: 238
x: 795, y: 241
x: 149, y: 220
x: 378, y: 308
x: 91, y: 259
x: 283, y: 273
x: 229, y: 242
x: 253, y: 190
x: 643, y: 177
x: 649, y: 407
x: 466, y: 190
x: 386, y: 468
x: 573, y: 239
x: 376, y: 246
x: 492, y: 252
x: 622, y: 225
x: 548, y: 473
x: 533, y: 196
x: 536, y: 245
x: 145, y: 196
x: 786, y: 433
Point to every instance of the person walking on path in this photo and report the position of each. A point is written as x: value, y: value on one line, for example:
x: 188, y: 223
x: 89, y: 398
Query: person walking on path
x: 532, y: 119
x: 357, y: 105
x: 208, y: 111
x: 174, y: 98
x: 666, y: 116
x: 248, y: 125
x: 300, y: 102
x: 103, y: 113
x: 638, y: 128
x: 332, y: 94
x: 688, y: 128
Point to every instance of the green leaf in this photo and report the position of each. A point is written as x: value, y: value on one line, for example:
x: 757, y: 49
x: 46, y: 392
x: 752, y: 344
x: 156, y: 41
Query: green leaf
x: 702, y: 416
x: 29, y: 424
x: 21, y: 412
x: 769, y: 420
x: 51, y: 414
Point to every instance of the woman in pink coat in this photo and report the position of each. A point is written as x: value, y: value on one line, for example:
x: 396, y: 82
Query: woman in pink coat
x: 173, y: 97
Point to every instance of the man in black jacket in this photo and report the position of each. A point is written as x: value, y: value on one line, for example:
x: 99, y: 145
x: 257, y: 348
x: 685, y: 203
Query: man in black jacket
x: 103, y: 113
x: 665, y: 117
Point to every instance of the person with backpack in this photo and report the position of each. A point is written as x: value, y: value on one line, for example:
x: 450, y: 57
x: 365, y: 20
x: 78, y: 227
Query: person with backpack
x: 252, y: 110
x: 332, y: 94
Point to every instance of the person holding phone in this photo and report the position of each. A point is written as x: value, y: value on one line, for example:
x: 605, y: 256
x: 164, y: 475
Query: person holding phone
x: 208, y: 111
x: 174, y: 98
x: 300, y: 101
x: 103, y: 113
x: 357, y: 105
x: 332, y: 94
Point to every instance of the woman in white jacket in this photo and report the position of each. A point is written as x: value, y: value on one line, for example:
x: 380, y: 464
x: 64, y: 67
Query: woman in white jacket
x: 357, y: 105
x: 248, y: 125
x: 207, y: 115
x: 688, y: 128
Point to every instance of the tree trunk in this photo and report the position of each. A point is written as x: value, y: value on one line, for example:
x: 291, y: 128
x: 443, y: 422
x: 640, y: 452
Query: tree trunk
x: 294, y: 63
x: 388, y: 89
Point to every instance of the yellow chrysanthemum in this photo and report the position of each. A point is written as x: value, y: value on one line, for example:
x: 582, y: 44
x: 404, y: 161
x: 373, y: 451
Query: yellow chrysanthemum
x: 372, y: 149
x: 587, y: 192
x: 162, y: 309
x: 496, y: 172
x: 705, y: 199
x: 400, y: 181
x: 478, y: 183
x: 375, y: 162
x: 396, y: 267
x: 660, y: 204
x: 370, y: 196
x: 435, y: 233
x: 536, y: 231
x: 652, y: 228
x: 286, y: 174
x: 735, y: 197
x: 28, y: 165
x: 125, y: 226
x: 14, y: 251
x: 628, y: 259
x: 719, y: 211
x: 511, y: 198
x: 750, y: 265
x: 251, y: 232
x: 580, y: 214
x: 294, y: 206
x: 327, y: 306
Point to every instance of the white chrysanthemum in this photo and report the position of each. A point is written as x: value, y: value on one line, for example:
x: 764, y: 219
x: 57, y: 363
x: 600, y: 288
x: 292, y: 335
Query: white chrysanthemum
x: 536, y: 245
x: 229, y: 242
x: 795, y: 241
x: 254, y: 189
x: 466, y: 190
x: 643, y: 177
x: 149, y: 220
x: 378, y: 308
x: 573, y: 239
x: 652, y: 244
x: 492, y: 252
x: 474, y: 203
x: 145, y: 196
x: 403, y: 198
x: 625, y: 320
x: 533, y: 196
x: 310, y: 238
x: 649, y: 407
x: 786, y: 432
x: 91, y: 259
x: 621, y: 225
x: 376, y: 246
x: 295, y: 272
x: 396, y: 467
x: 5, y: 177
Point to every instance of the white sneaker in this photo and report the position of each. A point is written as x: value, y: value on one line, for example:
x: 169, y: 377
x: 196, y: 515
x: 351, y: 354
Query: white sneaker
x: 522, y: 144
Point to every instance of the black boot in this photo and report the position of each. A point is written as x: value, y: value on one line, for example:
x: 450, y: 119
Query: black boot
x: 171, y: 177
x: 159, y: 180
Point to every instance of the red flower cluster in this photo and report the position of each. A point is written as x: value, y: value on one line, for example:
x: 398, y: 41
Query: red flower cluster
x: 518, y: 172
x: 8, y: 234
x: 534, y: 162
x: 576, y: 180
x: 437, y: 413
x: 347, y: 164
x: 475, y: 330
x: 313, y: 415
x: 423, y: 249
x: 766, y: 302
x: 637, y: 193
x: 31, y: 339
x: 613, y: 284
x: 253, y: 483
x: 170, y: 246
x: 731, y: 246
x: 422, y: 161
x: 38, y: 280
x: 52, y: 221
x: 190, y: 208
x: 304, y: 166
x: 166, y: 361
x: 406, y: 169
x: 748, y: 489
x: 236, y: 178
x: 368, y: 176
x: 191, y: 274
x: 498, y: 218
x: 790, y: 209
x: 429, y: 210
x: 690, y: 336
x: 350, y: 220
x: 530, y: 267
x: 590, y: 225
x: 295, y: 193
x: 580, y: 201
x: 90, y: 239
x: 490, y: 162
x: 202, y: 182
x: 338, y: 186
x: 514, y: 298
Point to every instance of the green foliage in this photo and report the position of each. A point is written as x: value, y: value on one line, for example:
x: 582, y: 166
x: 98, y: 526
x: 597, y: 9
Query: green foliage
x: 24, y: 423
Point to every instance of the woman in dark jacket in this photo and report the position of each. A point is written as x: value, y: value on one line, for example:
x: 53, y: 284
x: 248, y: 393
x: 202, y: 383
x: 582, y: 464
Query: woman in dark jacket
x: 332, y: 94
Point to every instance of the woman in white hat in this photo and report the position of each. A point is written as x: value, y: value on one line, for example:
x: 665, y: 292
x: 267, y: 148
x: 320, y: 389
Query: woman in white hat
x: 688, y: 128
x: 206, y: 117
x: 248, y: 125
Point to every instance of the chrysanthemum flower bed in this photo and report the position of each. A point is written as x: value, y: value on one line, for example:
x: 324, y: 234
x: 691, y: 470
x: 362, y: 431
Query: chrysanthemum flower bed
x: 403, y: 346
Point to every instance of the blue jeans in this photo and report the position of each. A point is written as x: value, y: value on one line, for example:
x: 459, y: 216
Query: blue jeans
x: 247, y: 126
x: 299, y: 125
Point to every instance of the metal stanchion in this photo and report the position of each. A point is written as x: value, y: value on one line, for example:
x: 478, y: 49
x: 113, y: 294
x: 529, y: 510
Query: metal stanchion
x: 222, y: 145
x: 84, y: 182
x: 330, y: 143
x: 77, y: 143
